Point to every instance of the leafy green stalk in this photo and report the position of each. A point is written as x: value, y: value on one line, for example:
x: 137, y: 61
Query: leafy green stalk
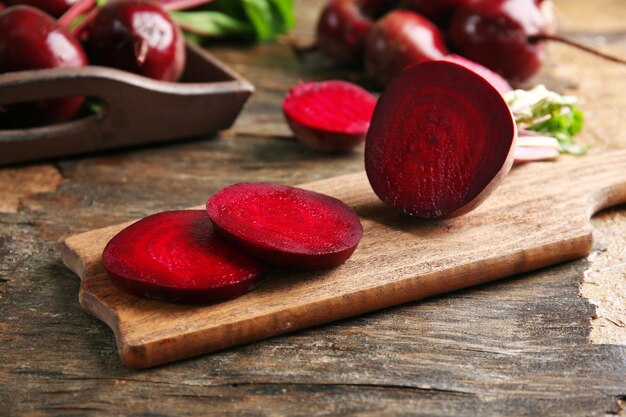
x: 547, y: 112
x: 256, y: 20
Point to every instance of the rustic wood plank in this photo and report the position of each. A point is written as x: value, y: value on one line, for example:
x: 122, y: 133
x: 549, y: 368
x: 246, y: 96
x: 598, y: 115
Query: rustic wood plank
x: 536, y: 218
x: 521, y: 345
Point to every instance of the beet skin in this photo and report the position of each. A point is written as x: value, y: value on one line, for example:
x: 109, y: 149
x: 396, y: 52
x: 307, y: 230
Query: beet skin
x: 32, y: 40
x: 440, y: 140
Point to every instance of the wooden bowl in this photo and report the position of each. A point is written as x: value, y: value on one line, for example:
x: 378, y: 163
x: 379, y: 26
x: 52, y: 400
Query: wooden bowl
x: 137, y: 110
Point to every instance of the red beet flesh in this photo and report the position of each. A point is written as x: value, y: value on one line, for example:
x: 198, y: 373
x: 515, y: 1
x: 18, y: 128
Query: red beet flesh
x: 398, y: 39
x: 137, y: 36
x: 30, y: 40
x: 53, y: 7
x: 286, y: 226
x: 341, y: 31
x: 440, y: 140
x: 177, y: 256
x: 329, y: 115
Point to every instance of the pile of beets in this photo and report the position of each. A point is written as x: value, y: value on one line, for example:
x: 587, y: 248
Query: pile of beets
x: 505, y: 36
x: 132, y: 35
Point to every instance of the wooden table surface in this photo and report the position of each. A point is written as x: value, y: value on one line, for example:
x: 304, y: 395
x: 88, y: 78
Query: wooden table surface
x: 526, y: 346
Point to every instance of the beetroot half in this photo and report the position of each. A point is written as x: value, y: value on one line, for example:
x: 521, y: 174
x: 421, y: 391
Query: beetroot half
x: 287, y: 226
x: 494, y: 79
x: 329, y: 115
x: 177, y: 256
x: 441, y: 139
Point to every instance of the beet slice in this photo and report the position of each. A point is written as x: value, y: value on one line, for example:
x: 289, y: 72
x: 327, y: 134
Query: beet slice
x: 330, y: 115
x: 287, y: 226
x: 441, y: 139
x: 177, y: 256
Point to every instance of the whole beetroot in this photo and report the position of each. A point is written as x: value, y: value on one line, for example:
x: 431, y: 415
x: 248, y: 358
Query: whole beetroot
x: 22, y: 48
x: 342, y: 29
x: 399, y: 39
x: 137, y: 36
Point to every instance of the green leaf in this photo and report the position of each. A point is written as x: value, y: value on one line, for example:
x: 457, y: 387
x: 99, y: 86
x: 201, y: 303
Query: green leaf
x: 212, y: 24
x: 542, y: 110
x: 244, y: 19
x: 285, y: 9
x: 269, y: 18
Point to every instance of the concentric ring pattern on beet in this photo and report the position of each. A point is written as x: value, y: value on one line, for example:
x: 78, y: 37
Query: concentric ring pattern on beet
x: 177, y: 256
x: 285, y: 225
x: 441, y: 139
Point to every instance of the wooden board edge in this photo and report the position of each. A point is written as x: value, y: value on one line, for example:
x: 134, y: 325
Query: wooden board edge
x: 71, y: 258
x: 142, y: 353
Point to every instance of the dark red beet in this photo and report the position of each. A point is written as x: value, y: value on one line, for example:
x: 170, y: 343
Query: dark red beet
x: 341, y: 31
x: 53, y: 7
x: 329, y: 115
x: 285, y: 225
x: 30, y: 40
x: 495, y: 33
x: 177, y: 256
x: 508, y: 36
x: 376, y: 8
x: 435, y: 10
x: 441, y: 139
x: 494, y: 79
x: 137, y: 36
x: 398, y: 39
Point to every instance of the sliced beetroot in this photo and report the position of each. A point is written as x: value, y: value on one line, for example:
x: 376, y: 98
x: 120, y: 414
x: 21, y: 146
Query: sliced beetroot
x: 287, y: 226
x: 441, y: 139
x: 177, y: 256
x: 494, y: 79
x: 329, y: 115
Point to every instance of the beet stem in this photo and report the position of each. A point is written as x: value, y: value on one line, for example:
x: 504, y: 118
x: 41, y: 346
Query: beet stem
x: 80, y: 28
x: 142, y: 48
x: 76, y: 10
x: 176, y: 5
x: 570, y: 42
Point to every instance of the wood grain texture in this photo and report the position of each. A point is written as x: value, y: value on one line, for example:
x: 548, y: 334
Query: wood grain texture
x: 539, y: 217
x: 517, y: 347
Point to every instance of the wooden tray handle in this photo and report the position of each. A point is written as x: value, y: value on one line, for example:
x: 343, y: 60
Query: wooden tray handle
x: 94, y: 81
x: 136, y: 110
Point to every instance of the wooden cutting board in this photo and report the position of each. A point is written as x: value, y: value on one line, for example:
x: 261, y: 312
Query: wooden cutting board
x: 539, y: 216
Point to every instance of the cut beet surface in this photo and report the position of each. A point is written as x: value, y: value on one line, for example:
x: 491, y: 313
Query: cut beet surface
x: 441, y: 139
x: 177, y: 256
x: 329, y: 115
x: 285, y: 225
